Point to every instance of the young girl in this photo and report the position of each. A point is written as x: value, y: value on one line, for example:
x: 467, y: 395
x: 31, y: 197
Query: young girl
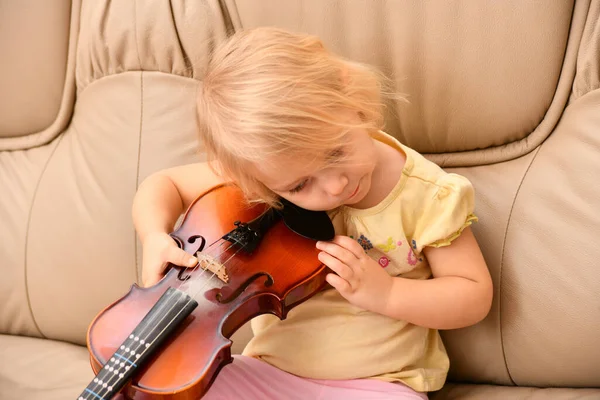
x: 282, y: 117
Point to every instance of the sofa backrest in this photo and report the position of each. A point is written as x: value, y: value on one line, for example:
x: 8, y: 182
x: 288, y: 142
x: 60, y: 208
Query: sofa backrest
x: 36, y: 85
x: 478, y: 76
x: 95, y: 96
x: 128, y: 80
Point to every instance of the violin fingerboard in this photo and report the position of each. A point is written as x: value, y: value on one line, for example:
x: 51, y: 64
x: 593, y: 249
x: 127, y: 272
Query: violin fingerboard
x: 162, y: 319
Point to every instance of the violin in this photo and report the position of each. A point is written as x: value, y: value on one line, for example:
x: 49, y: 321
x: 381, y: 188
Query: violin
x: 169, y: 341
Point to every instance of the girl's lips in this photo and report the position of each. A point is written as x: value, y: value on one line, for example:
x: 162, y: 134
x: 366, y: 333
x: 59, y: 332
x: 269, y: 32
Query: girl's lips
x: 355, y: 191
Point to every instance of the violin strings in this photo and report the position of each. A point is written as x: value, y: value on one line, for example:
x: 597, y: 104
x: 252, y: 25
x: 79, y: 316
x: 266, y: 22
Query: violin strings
x: 193, y: 269
x: 160, y: 310
x: 143, y: 342
x: 196, y: 278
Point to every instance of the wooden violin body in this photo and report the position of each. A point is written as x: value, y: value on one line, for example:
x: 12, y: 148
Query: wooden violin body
x: 229, y: 287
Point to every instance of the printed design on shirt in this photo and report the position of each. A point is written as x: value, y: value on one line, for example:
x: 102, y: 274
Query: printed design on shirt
x: 384, y: 261
x: 364, y: 242
x: 411, y: 258
x: 389, y: 245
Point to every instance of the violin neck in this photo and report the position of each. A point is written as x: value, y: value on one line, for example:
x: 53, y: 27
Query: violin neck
x: 158, y: 324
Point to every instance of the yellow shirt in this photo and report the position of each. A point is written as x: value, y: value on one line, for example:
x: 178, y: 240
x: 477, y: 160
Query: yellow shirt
x: 326, y: 337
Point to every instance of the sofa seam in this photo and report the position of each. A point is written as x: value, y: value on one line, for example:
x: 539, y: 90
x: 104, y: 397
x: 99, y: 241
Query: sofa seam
x: 111, y: 75
x: 186, y: 59
x: 536, y: 152
x: 227, y: 21
x: 27, y: 230
x: 139, y: 150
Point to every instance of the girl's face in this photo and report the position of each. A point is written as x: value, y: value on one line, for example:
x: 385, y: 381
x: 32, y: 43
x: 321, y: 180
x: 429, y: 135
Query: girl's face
x: 319, y: 186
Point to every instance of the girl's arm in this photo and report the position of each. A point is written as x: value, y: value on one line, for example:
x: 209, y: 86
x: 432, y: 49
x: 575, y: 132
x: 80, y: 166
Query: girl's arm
x: 158, y: 203
x: 165, y: 195
x: 460, y: 293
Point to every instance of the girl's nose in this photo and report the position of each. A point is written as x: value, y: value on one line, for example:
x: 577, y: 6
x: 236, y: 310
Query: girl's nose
x: 335, y: 184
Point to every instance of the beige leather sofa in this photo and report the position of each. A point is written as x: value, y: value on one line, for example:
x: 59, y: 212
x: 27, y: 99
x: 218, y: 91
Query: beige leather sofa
x: 96, y: 95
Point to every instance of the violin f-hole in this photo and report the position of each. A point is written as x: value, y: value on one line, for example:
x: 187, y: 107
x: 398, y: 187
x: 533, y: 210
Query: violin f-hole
x: 192, y: 239
x: 268, y: 282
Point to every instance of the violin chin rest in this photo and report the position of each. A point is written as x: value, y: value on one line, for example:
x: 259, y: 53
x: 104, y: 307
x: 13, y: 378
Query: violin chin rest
x: 314, y: 225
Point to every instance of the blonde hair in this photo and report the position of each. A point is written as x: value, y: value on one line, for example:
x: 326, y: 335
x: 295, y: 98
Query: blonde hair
x: 269, y: 92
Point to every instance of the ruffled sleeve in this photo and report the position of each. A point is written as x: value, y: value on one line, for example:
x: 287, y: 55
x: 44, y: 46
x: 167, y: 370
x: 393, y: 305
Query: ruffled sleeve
x: 447, y: 209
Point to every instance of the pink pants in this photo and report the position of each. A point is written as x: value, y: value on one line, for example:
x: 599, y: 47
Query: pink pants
x: 247, y: 378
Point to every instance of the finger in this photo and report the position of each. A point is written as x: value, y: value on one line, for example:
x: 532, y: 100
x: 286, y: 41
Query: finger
x: 338, y: 283
x: 350, y: 245
x: 179, y: 257
x: 339, y: 252
x: 336, y: 265
x: 151, y: 274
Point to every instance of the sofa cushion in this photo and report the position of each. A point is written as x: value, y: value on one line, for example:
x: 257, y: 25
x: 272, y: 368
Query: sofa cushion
x: 491, y: 392
x: 539, y: 215
x: 41, y: 369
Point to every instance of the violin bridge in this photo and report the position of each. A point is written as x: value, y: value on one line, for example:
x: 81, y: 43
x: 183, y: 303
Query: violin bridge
x: 208, y: 263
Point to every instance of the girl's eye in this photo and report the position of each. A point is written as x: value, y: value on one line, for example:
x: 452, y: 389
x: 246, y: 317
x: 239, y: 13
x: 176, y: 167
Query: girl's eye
x: 299, y: 187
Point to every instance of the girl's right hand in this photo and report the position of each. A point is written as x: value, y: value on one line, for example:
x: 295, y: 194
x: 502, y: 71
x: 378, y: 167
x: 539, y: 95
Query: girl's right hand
x: 159, y: 249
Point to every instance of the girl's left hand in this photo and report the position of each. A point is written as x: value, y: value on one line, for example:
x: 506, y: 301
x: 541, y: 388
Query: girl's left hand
x: 359, y: 279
